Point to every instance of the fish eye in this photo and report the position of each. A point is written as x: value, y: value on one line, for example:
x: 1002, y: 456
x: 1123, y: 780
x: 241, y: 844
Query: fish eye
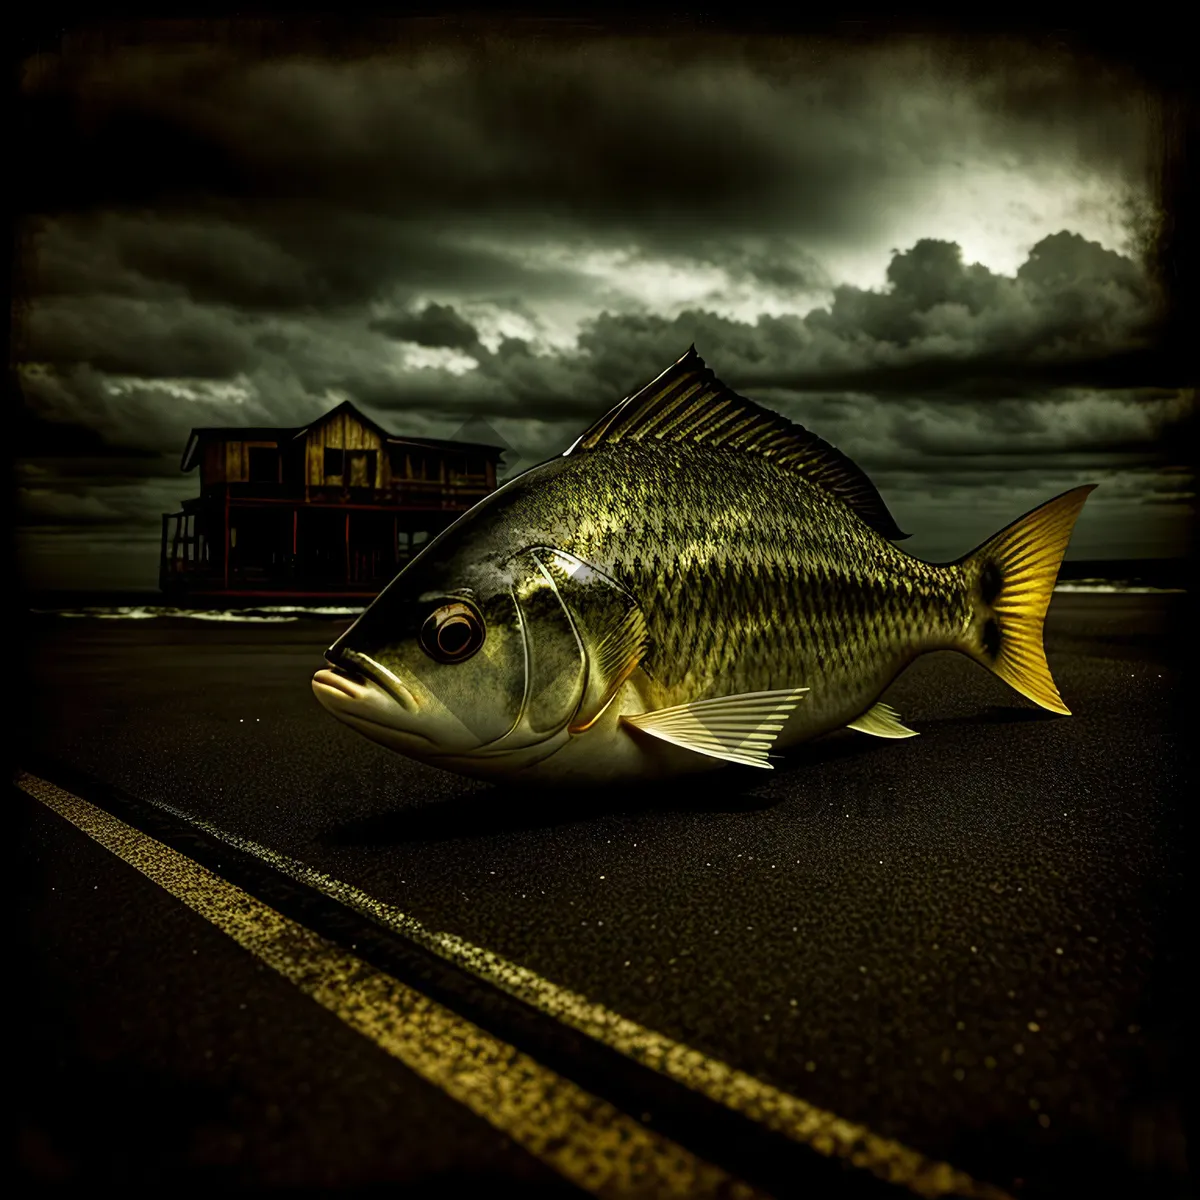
x: 452, y: 632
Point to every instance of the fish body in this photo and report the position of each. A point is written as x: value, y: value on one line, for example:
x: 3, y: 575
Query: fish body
x: 696, y: 582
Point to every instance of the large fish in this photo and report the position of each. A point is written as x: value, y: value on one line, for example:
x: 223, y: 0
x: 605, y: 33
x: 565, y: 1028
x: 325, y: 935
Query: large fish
x: 695, y: 582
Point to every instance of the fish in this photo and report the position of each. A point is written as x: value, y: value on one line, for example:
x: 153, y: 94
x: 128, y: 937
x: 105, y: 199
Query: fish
x: 696, y: 583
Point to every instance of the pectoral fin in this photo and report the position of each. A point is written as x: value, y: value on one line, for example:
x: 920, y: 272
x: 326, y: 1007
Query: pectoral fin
x: 617, y: 652
x: 882, y: 721
x: 739, y: 729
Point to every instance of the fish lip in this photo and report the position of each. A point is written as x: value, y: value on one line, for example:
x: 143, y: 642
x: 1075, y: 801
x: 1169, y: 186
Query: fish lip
x: 335, y: 680
x: 340, y: 695
x: 378, y: 674
x: 336, y: 686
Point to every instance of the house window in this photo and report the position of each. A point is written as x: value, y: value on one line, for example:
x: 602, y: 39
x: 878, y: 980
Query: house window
x: 413, y: 464
x: 362, y: 468
x: 334, y: 464
x: 264, y: 464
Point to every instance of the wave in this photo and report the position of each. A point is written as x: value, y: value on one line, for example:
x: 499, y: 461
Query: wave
x: 145, y: 612
x: 307, y: 610
x: 1103, y: 585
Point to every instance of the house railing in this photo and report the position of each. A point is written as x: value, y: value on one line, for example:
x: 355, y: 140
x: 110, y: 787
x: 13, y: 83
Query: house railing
x: 200, y: 550
x: 407, y: 493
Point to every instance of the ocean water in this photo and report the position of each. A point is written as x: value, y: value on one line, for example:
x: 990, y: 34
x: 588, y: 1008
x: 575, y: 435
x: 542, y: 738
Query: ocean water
x: 281, y: 613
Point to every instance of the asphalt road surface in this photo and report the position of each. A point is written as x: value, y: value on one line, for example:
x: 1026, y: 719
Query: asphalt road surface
x: 968, y: 945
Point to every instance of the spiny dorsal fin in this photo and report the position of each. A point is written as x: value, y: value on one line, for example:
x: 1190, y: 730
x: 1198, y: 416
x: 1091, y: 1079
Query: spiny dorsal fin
x: 687, y: 403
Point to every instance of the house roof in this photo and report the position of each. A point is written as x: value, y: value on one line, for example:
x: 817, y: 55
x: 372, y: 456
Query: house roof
x: 280, y: 435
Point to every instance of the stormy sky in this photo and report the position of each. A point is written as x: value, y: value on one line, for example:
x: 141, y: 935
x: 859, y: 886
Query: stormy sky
x: 934, y: 254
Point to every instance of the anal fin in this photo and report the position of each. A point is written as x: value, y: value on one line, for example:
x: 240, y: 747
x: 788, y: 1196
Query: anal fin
x: 740, y: 729
x: 882, y: 721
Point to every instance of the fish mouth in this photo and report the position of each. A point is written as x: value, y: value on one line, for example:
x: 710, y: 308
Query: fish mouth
x: 364, y: 694
x: 354, y: 669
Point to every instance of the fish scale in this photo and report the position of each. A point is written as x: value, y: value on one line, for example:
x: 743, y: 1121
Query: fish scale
x: 805, y: 595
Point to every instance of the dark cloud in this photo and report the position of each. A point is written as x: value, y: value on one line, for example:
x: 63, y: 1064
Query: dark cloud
x: 1074, y: 316
x: 37, y: 437
x: 139, y: 428
x: 941, y: 332
x: 435, y: 325
x: 1065, y: 259
x: 1079, y: 430
x: 76, y: 258
x: 124, y: 336
x: 1072, y: 312
x: 294, y: 258
x: 663, y: 143
x: 776, y: 262
x: 592, y: 134
x: 223, y: 263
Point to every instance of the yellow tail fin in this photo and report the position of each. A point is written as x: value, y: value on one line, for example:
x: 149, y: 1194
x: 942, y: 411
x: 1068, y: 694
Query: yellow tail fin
x: 1012, y: 576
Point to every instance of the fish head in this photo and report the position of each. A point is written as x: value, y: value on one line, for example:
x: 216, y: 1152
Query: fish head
x: 435, y: 666
x: 484, y: 661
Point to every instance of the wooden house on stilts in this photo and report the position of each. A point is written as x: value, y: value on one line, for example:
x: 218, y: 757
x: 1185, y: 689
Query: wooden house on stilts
x: 328, y: 510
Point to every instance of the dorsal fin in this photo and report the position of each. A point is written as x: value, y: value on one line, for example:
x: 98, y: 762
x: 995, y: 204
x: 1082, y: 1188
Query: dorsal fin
x: 688, y: 403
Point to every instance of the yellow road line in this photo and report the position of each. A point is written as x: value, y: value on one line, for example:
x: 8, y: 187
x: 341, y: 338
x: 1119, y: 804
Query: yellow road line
x: 823, y: 1131
x: 594, y: 1145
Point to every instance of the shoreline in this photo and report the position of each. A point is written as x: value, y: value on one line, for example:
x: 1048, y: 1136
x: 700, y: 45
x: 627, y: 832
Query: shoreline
x: 288, y: 613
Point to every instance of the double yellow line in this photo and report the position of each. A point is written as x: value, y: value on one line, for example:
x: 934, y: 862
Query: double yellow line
x: 588, y: 1141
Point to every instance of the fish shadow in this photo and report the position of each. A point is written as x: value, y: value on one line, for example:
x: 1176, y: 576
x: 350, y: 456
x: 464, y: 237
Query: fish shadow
x: 996, y: 714
x: 508, y: 808
x: 503, y: 808
x: 477, y: 814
